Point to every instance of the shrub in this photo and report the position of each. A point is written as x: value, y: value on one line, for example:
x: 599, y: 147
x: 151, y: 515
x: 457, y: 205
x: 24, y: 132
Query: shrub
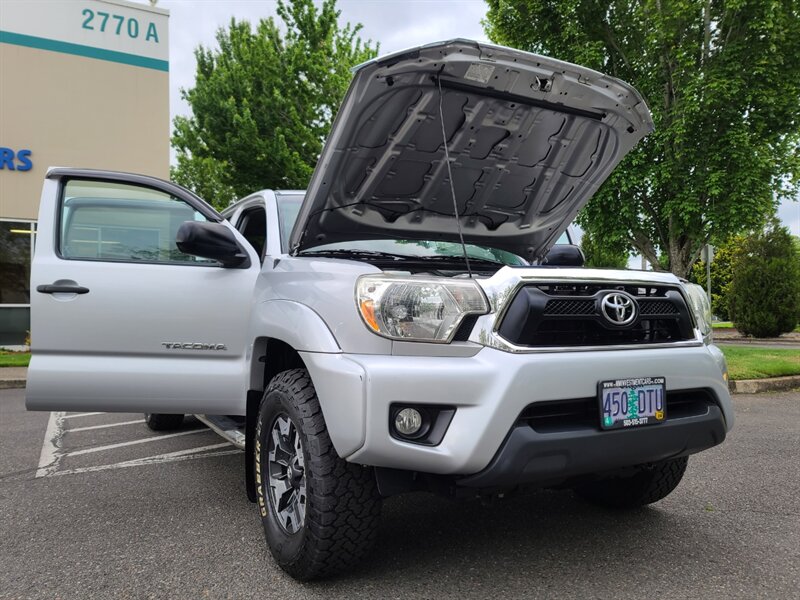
x: 721, y: 275
x: 764, y: 298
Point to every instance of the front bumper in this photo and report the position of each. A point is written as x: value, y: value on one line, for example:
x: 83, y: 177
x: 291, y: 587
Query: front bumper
x: 527, y: 456
x: 490, y: 390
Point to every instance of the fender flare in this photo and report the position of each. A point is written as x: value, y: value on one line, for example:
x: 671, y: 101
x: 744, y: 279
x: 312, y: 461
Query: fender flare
x: 296, y: 324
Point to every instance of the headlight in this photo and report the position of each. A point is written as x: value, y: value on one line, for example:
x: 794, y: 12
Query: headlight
x: 417, y: 309
x: 700, y: 307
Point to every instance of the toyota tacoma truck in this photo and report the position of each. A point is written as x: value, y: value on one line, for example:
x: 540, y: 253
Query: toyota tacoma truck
x: 409, y: 322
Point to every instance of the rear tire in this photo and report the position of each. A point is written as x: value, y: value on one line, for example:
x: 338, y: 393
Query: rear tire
x: 320, y: 513
x: 650, y: 484
x: 162, y: 422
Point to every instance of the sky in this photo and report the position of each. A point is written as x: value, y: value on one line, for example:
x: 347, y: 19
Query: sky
x: 395, y: 24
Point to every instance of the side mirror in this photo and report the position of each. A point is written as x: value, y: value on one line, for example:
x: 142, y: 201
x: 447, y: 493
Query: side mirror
x: 564, y: 255
x: 211, y: 240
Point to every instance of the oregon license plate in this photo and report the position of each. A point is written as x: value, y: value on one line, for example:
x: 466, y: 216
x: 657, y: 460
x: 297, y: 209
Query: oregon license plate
x: 632, y: 402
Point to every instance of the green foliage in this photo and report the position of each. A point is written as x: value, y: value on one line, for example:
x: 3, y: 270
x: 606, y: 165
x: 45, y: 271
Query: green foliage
x: 764, y: 298
x: 14, y: 359
x: 721, y: 275
x: 265, y: 100
x: 206, y: 176
x: 608, y: 253
x: 722, y: 82
x: 757, y: 363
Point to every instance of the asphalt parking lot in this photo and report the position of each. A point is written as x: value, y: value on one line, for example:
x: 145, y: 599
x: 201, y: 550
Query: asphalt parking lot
x: 112, y: 510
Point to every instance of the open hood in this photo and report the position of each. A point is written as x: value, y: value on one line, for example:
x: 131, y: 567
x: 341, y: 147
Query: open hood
x: 530, y: 139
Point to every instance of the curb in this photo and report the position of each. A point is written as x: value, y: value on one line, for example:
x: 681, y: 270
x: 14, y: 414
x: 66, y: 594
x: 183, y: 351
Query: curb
x: 756, y: 342
x: 771, y: 384
x: 8, y: 384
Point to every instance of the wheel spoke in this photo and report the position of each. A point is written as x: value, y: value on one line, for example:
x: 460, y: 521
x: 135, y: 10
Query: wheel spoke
x: 277, y: 470
x: 276, y: 440
x: 282, y: 457
x: 279, y: 487
x: 285, y: 500
x: 284, y: 425
x: 286, y: 473
x: 291, y: 514
x: 300, y: 506
x: 298, y: 450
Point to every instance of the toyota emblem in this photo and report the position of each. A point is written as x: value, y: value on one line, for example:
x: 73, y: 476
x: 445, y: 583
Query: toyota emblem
x: 618, y: 308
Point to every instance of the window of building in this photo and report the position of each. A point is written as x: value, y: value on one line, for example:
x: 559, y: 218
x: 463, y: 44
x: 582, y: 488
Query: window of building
x: 16, y: 253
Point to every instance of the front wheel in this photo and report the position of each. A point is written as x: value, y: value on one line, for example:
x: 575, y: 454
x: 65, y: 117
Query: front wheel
x: 320, y: 514
x: 650, y: 484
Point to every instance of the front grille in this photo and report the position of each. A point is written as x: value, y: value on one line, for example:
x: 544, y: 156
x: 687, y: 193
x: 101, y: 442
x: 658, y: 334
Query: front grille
x: 569, y: 307
x: 569, y: 314
x: 647, y: 307
x: 656, y: 308
x: 584, y: 413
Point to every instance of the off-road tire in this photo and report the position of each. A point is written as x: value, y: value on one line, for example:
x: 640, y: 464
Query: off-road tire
x: 342, y: 503
x: 162, y: 422
x: 650, y: 484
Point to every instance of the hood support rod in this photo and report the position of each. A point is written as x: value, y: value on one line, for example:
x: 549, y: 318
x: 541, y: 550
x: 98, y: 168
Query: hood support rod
x: 450, y: 179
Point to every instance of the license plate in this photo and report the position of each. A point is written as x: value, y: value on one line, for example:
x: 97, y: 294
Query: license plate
x: 632, y: 402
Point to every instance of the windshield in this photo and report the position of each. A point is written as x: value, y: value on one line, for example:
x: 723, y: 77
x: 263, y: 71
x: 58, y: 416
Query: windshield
x: 289, y: 207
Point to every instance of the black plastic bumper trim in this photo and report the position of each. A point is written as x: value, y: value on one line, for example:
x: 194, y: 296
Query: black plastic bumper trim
x: 529, y: 457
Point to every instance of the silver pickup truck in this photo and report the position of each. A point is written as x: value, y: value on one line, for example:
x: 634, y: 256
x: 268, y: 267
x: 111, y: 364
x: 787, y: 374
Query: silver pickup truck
x: 410, y: 322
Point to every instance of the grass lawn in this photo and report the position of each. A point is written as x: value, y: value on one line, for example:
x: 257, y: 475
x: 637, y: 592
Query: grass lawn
x: 14, y: 359
x: 745, y: 362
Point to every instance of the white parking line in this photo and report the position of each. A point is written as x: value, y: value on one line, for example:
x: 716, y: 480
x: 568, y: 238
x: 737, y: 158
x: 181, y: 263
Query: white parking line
x: 51, y: 448
x: 82, y: 415
x: 180, y: 455
x: 156, y: 438
x: 104, y: 426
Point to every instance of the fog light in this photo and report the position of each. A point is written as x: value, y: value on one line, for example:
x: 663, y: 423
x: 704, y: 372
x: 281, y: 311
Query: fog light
x: 408, y: 421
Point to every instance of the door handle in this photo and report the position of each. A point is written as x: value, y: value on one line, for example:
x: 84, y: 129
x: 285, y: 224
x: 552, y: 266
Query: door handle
x: 54, y: 288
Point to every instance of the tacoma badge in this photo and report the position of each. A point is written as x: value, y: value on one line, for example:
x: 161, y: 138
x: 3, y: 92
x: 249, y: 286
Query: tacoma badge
x: 192, y: 346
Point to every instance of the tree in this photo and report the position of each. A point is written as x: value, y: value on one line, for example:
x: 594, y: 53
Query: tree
x: 263, y: 102
x: 722, y: 82
x: 721, y: 275
x: 603, y: 253
x: 764, y: 297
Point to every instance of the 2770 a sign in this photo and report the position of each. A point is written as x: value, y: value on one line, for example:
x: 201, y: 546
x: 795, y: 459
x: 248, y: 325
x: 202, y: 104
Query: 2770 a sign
x: 119, y: 25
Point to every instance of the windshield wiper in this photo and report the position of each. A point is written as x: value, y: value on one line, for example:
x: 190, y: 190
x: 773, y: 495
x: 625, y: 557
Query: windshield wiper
x: 456, y: 258
x: 354, y: 252
x: 398, y: 257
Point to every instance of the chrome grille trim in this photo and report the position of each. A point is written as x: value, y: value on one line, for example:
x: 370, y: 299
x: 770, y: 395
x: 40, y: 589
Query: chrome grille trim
x: 501, y: 288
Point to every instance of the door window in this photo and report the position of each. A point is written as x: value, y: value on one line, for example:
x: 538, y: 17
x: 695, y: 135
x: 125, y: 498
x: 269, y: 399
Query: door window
x: 253, y: 226
x: 109, y: 221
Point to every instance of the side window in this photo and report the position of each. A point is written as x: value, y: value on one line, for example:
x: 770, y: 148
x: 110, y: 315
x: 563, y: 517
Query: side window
x: 253, y: 226
x: 102, y: 220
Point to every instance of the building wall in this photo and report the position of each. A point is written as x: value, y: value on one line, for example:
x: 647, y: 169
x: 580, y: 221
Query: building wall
x: 103, y: 115
x: 82, y: 84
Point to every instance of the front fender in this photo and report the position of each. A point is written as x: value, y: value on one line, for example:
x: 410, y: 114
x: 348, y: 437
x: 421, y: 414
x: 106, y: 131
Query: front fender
x: 296, y: 324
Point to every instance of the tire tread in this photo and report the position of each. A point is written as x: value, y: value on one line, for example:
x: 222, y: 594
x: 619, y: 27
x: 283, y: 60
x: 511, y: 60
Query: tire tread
x: 343, y: 507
